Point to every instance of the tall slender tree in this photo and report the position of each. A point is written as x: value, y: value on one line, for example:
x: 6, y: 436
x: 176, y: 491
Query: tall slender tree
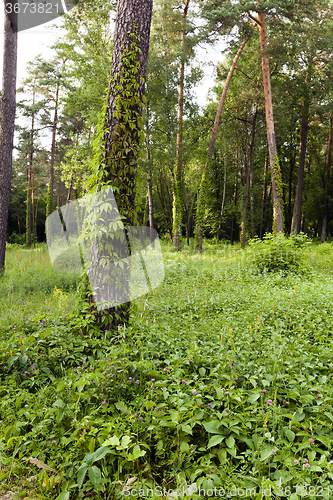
x: 7, y: 119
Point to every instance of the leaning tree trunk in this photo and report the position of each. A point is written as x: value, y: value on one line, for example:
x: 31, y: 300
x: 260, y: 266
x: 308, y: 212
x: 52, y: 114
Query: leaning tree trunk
x: 123, y: 135
x: 223, y: 197
x: 7, y: 120
x: 327, y: 182
x: 273, y: 157
x: 296, y: 220
x: 200, y: 203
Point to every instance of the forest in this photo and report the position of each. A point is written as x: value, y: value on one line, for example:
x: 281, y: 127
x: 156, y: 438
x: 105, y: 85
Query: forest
x: 215, y: 382
x: 63, y: 99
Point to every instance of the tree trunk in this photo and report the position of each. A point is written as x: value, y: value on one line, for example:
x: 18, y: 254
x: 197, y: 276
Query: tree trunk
x: 123, y: 122
x: 222, y: 100
x: 248, y: 178
x: 263, y: 207
x: 150, y: 201
x: 7, y: 120
x: 296, y: 220
x: 223, y: 198
x: 30, y: 224
x: 273, y: 157
x: 178, y: 198
x: 327, y: 183
x: 53, y: 144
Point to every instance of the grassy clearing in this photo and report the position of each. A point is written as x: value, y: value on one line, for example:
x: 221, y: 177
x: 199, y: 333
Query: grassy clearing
x: 222, y: 380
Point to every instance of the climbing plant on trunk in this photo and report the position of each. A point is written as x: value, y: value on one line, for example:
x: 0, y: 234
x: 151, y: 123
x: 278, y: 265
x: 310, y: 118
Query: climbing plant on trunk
x: 7, y: 119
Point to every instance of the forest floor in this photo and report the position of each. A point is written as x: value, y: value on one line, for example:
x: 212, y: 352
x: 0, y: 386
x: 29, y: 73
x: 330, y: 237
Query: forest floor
x: 221, y: 380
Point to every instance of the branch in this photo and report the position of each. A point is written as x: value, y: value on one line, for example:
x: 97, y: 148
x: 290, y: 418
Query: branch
x: 254, y: 18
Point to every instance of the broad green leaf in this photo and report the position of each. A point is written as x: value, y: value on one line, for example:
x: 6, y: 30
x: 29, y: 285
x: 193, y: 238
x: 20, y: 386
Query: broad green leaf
x: 253, y: 397
x: 325, y: 440
x: 215, y: 440
x: 81, y: 474
x: 94, y: 475
x: 230, y: 442
x: 265, y: 454
x: 186, y: 428
x: 114, y: 441
x: 97, y: 455
x: 290, y: 435
x: 213, y: 427
x: 125, y: 441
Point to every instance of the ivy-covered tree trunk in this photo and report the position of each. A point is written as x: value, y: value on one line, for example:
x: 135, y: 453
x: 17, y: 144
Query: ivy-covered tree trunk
x: 7, y: 120
x: 123, y: 135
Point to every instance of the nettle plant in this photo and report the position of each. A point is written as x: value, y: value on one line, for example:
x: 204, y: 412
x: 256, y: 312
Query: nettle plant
x: 277, y: 253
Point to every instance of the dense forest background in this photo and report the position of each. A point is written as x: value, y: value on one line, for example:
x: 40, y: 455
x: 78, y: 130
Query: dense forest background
x: 60, y: 104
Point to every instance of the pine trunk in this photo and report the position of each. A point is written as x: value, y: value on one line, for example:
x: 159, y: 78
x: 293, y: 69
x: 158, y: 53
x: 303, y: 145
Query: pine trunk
x: 273, y: 158
x: 7, y: 121
x: 178, y: 186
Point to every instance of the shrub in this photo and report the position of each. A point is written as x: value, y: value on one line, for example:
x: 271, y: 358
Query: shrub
x: 279, y: 253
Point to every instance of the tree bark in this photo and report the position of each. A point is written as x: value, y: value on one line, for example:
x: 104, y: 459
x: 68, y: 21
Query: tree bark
x: 123, y: 126
x: 263, y: 207
x: 150, y: 202
x: 53, y: 144
x: 248, y: 178
x: 296, y: 220
x: 30, y: 174
x: 178, y: 198
x: 273, y: 158
x: 327, y: 182
x: 7, y: 121
x: 223, y: 198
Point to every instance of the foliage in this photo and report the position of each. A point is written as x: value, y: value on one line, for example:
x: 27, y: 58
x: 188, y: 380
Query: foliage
x: 221, y: 380
x: 275, y: 253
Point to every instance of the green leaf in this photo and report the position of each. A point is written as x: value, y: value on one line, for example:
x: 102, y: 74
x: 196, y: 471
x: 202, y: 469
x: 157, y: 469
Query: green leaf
x: 81, y: 475
x: 95, y: 475
x: 253, y: 397
x: 125, y: 441
x: 213, y: 427
x: 265, y: 454
x: 63, y: 496
x: 97, y: 455
x: 290, y: 435
x: 325, y: 440
x: 230, y: 442
x: 186, y: 428
x: 114, y: 441
x: 215, y: 440
x: 202, y: 371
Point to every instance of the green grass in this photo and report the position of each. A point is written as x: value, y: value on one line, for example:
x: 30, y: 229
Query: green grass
x: 222, y: 380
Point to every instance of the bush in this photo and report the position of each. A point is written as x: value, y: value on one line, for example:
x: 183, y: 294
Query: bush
x: 279, y: 253
x: 17, y: 239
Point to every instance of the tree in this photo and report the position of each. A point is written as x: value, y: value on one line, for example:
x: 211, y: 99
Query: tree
x: 7, y: 120
x: 122, y: 141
